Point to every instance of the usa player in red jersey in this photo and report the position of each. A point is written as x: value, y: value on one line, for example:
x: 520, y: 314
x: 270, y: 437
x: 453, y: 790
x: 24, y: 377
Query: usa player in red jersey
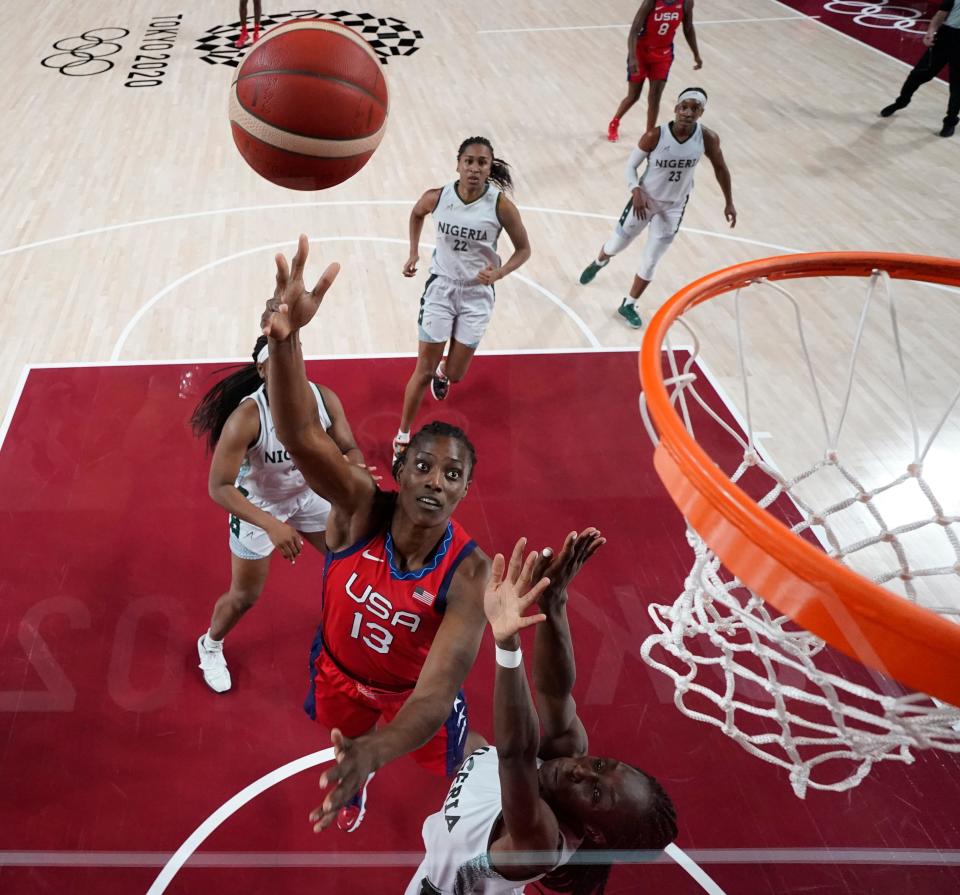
x: 650, y: 55
x: 402, y: 611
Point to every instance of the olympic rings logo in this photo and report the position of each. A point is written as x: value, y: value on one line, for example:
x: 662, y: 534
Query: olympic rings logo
x: 84, y: 55
x: 877, y: 15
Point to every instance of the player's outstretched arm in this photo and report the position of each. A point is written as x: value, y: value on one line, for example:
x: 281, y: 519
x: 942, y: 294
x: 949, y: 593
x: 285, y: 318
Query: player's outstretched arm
x: 690, y: 33
x: 711, y: 148
x: 554, y: 668
x: 452, y: 654
x: 340, y: 430
x: 292, y: 403
x: 425, y: 205
x: 529, y: 825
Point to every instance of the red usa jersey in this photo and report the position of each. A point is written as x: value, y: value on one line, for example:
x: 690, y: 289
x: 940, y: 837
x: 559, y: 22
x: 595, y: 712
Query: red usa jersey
x: 661, y: 25
x: 378, y: 621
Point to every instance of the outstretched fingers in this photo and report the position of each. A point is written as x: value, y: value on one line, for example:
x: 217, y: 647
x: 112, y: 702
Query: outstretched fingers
x: 326, y: 280
x: 300, y: 258
x: 516, y: 560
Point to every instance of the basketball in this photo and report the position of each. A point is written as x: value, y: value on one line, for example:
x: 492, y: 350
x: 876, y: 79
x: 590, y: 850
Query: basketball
x: 309, y: 104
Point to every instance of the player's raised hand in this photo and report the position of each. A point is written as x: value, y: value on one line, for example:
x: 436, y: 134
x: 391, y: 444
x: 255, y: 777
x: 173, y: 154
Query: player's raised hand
x: 562, y: 568
x: 292, y: 305
x: 509, y: 595
x: 355, y: 763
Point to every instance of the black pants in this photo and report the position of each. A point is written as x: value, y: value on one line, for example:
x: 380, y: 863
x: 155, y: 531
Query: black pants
x: 945, y: 51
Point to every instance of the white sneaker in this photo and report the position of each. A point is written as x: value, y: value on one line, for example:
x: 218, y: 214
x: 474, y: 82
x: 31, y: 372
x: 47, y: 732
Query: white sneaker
x: 214, y: 666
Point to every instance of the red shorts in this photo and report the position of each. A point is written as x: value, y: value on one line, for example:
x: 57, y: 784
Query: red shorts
x: 337, y: 700
x: 652, y: 63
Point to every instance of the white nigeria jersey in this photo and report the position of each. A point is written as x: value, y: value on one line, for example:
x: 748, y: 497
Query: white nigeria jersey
x: 457, y: 838
x: 668, y: 177
x: 267, y: 470
x: 466, y: 233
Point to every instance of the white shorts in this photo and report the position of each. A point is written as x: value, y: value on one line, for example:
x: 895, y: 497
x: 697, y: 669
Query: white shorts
x: 664, y: 221
x: 452, y: 309
x: 307, y: 511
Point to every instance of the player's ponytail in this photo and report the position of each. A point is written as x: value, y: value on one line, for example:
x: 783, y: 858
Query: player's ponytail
x: 224, y: 397
x: 499, y: 169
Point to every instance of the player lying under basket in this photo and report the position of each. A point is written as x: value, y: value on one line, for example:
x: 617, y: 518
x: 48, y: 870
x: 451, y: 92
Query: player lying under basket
x: 537, y: 806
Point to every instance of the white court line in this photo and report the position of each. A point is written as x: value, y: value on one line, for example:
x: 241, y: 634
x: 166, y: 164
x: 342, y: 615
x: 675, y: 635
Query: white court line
x: 697, y: 23
x: 144, y: 308
x: 96, y: 231
x: 878, y: 857
x: 196, y: 838
x: 14, y: 401
x: 695, y: 871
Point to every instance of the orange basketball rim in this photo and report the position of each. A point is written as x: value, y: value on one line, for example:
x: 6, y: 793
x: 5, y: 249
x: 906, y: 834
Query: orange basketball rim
x: 878, y: 628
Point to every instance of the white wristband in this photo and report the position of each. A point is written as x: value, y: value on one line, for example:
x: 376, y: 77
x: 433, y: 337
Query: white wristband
x: 509, y: 658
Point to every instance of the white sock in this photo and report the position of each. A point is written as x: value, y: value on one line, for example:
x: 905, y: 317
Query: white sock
x: 210, y: 643
x: 601, y: 263
x: 402, y: 437
x: 441, y: 370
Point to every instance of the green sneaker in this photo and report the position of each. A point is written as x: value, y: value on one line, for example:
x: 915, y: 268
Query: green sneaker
x: 628, y: 310
x: 592, y: 269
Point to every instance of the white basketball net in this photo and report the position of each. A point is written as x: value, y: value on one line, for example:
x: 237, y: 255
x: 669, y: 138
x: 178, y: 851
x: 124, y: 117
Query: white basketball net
x: 740, y: 665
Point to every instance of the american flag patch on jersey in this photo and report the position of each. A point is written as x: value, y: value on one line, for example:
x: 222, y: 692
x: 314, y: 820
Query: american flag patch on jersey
x: 424, y: 596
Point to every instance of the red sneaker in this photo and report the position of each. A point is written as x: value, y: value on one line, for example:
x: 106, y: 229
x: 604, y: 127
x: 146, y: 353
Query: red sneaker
x: 256, y: 34
x: 351, y: 815
x: 613, y: 130
x: 241, y: 41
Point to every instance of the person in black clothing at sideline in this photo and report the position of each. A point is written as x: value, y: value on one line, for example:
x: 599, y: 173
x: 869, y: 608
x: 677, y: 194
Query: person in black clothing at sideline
x: 943, y: 48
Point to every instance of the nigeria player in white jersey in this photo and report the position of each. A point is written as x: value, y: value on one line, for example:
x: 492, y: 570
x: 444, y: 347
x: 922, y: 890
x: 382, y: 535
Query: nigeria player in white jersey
x: 535, y: 806
x: 458, y: 297
x: 658, y: 198
x: 254, y: 479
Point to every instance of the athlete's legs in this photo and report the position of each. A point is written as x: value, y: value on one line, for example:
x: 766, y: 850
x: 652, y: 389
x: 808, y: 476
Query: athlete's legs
x: 246, y: 584
x: 653, y: 102
x: 953, y: 104
x: 634, y: 89
x: 429, y: 355
x: 243, y: 13
x: 256, y: 14
x: 458, y: 360
x: 627, y: 230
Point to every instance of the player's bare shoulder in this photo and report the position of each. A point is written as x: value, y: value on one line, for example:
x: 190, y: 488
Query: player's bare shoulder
x: 649, y: 141
x: 711, y: 139
x: 472, y: 574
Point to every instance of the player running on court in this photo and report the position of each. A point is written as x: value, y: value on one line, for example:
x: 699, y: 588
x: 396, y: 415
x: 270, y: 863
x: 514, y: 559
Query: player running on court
x: 535, y: 806
x: 658, y: 198
x: 254, y: 479
x: 650, y: 55
x: 458, y: 297
x: 402, y: 591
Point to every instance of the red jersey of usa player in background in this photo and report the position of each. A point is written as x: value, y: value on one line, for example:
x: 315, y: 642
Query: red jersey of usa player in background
x: 661, y: 25
x: 378, y: 622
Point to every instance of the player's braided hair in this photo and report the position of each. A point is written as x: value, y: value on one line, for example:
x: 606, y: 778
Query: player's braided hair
x: 211, y: 413
x: 499, y: 169
x: 432, y: 430
x: 652, y: 831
